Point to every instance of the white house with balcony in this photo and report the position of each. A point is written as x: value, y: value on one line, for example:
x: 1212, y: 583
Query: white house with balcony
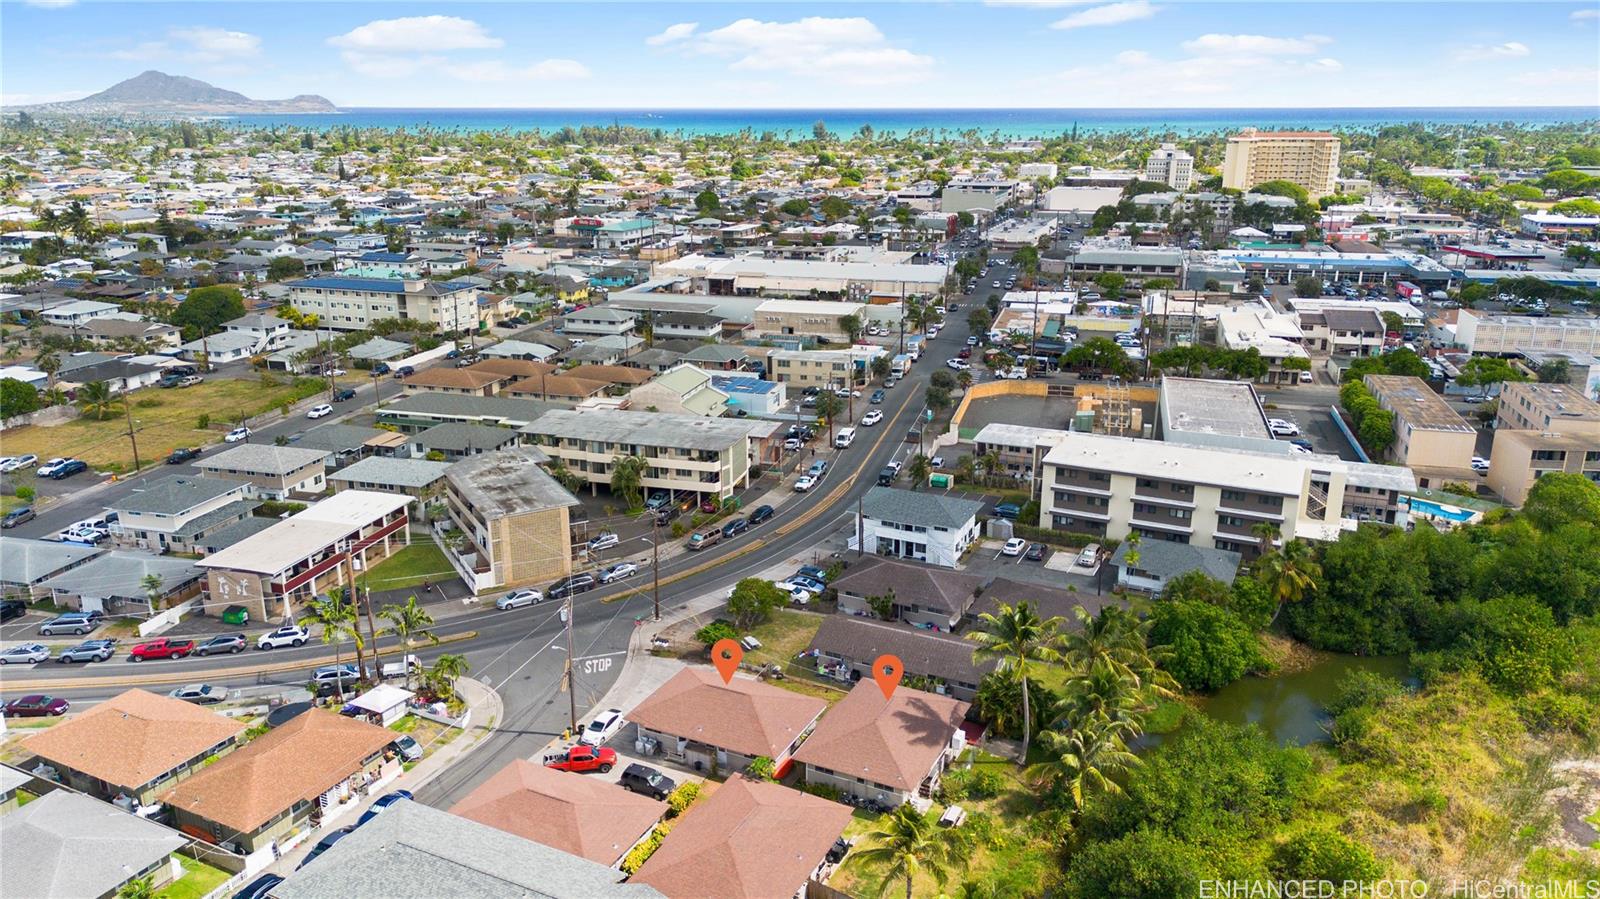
x: 924, y: 527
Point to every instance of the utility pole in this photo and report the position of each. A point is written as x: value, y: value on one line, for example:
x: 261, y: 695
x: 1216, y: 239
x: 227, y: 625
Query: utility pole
x: 861, y: 537
x: 572, y: 689
x: 655, y: 563
x: 127, y: 407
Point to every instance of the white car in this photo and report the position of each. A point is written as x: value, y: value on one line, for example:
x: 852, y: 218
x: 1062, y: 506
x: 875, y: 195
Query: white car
x: 1283, y: 428
x: 199, y: 694
x: 604, y: 541
x: 237, y: 434
x: 1480, y: 465
x: 518, y: 598
x: 13, y: 463
x: 288, y: 635
x: 1014, y: 547
x: 26, y: 654
x: 871, y: 418
x: 797, y: 594
x: 337, y: 372
x: 49, y: 468
x: 805, y: 483
x: 319, y: 411
x: 618, y: 571
x: 958, y: 364
x: 972, y: 341
x: 604, y: 726
x: 792, y: 444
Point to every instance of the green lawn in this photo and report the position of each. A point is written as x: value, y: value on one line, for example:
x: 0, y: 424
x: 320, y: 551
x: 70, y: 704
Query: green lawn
x: 785, y: 635
x: 410, y: 567
x: 198, y: 880
x: 163, y: 419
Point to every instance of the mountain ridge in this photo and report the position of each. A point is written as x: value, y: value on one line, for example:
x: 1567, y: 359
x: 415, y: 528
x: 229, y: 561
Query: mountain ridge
x: 155, y: 93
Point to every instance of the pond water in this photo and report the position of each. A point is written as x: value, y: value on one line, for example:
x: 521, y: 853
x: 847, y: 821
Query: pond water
x: 1289, y: 707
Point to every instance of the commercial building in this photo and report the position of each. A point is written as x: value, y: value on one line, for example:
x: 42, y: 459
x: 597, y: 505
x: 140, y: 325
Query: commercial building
x: 170, y: 514
x: 1219, y: 414
x: 1307, y: 158
x: 823, y: 368
x: 1583, y: 369
x: 1108, y: 486
x: 1429, y: 436
x: 1077, y: 205
x: 924, y: 527
x: 755, y: 275
x: 353, y: 304
x: 1136, y: 265
x: 751, y: 396
x: 272, y: 472
x: 1549, y: 224
x: 698, y: 720
x: 293, y: 778
x: 514, y: 520
x: 977, y: 194
x: 134, y: 746
x: 683, y: 453
x: 1276, y: 337
x: 887, y: 750
x: 586, y: 817
x: 1520, y: 458
x: 1170, y: 166
x: 807, y: 318
x: 1493, y: 334
x: 306, y: 553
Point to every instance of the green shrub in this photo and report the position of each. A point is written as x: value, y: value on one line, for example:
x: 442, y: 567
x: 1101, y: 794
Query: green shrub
x: 716, y: 630
x: 761, y: 768
x: 203, y: 422
x: 1323, y: 854
x: 1363, y: 688
x: 831, y: 794
x: 681, y: 798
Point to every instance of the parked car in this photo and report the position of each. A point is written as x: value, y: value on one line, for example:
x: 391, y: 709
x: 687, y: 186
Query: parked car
x: 49, y: 467
x: 812, y: 572
x: 604, y: 541
x: 759, y: 514
x: 169, y: 381
x: 288, y: 635
x: 409, y: 749
x: 238, y: 434
x: 342, y: 394
x: 571, y: 585
x: 260, y: 888
x: 19, y: 515
x: 320, y: 410
x: 16, y: 463
x: 200, y: 694
x: 958, y: 364
x: 404, y: 371
x: 1035, y: 553
x: 666, y: 515
x: 26, y: 654
x: 647, y: 781
x: 516, y: 599
x: 383, y: 802
x: 36, y: 706
x: 324, y: 844
x: 1014, y: 547
x: 1089, y: 556
x: 701, y: 539
x: 618, y: 571
x: 806, y: 482
x: 582, y: 758
x: 12, y: 608
x: 604, y: 726
x: 221, y: 643
x: 190, y: 380
x: 735, y: 527
x: 658, y: 501
x: 1283, y: 428
x: 871, y: 418
x: 68, y: 468
x: 1008, y: 510
x: 381, y: 368
x: 88, y: 651
x: 343, y: 673
x: 68, y: 624
x: 161, y: 648
x: 181, y: 455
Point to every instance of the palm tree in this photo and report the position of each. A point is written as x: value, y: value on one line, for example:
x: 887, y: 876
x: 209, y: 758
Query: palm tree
x: 1290, y: 574
x: 964, y: 379
x: 1118, y: 639
x: 49, y: 363
x: 138, y: 888
x: 447, y: 668
x: 907, y: 843
x: 1104, y: 695
x: 337, y: 619
x: 1017, y: 637
x: 152, y: 586
x: 405, y: 622
x: 1266, y: 533
x: 97, y: 399
x: 1088, y: 758
x: 919, y: 470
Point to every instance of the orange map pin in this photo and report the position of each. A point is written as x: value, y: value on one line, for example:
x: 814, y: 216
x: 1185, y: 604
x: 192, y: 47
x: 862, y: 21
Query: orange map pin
x: 887, y: 671
x: 726, y: 655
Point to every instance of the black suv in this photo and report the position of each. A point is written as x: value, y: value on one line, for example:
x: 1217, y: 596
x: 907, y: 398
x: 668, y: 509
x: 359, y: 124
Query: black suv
x: 342, y: 394
x: 761, y: 513
x: 570, y: 586
x: 647, y: 781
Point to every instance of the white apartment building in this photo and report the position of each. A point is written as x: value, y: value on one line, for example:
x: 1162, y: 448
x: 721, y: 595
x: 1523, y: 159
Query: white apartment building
x: 1484, y: 333
x: 1171, y: 166
x: 353, y: 304
x: 1307, y: 158
x: 1203, y: 496
x: 920, y: 526
x: 685, y: 453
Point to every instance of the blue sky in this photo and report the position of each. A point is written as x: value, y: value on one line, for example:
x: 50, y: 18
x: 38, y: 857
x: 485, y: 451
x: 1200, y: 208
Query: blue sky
x: 1000, y: 53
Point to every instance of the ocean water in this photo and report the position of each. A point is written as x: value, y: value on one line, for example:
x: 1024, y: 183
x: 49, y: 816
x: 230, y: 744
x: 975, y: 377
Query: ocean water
x: 1010, y: 123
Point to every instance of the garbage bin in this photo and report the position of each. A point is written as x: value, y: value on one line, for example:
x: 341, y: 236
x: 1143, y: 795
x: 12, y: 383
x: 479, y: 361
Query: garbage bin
x: 236, y: 615
x: 939, y: 480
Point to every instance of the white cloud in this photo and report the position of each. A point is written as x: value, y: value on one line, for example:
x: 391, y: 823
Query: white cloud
x: 1579, y: 15
x: 1110, y: 14
x: 1039, y: 4
x: 848, y: 51
x: 1482, y: 52
x: 417, y: 34
x: 51, y: 4
x: 1254, y: 45
x: 1132, y: 58
x: 210, y: 45
x: 673, y: 33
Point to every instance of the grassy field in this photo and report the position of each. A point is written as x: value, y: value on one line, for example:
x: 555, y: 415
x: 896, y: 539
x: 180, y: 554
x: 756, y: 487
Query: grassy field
x: 409, y: 567
x: 163, y: 420
x: 198, y: 880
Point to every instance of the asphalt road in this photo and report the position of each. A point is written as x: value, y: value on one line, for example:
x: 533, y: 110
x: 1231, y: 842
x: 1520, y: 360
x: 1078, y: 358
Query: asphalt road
x: 522, y: 652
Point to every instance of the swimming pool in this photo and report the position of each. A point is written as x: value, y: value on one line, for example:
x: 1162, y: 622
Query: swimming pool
x: 1435, y: 510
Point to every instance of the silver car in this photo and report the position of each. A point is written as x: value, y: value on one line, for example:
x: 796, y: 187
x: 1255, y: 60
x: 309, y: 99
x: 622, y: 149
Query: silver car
x: 88, y: 651
x: 26, y: 654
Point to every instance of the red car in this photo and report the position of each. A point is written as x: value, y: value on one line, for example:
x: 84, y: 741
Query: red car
x: 966, y: 353
x: 161, y: 648
x: 583, y: 758
x: 37, y: 706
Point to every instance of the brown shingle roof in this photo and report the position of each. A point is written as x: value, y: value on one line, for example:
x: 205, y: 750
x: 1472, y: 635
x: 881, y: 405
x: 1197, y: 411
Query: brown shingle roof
x: 744, y: 715
x: 455, y: 378
x: 299, y: 760
x: 581, y: 815
x: 893, y: 742
x: 133, y: 738
x: 558, y: 386
x: 747, y: 840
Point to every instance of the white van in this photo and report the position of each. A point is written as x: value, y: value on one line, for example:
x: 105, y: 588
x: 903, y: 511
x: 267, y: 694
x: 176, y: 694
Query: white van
x: 844, y: 438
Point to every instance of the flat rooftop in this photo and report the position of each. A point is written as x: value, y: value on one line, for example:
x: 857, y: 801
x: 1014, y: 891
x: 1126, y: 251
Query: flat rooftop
x: 658, y: 429
x: 1260, y: 472
x: 1196, y: 405
x: 306, y: 533
x: 508, y: 482
x: 1414, y: 401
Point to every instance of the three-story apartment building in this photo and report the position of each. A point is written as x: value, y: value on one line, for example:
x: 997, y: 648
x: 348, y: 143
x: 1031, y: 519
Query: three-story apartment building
x: 353, y: 304
x: 683, y: 453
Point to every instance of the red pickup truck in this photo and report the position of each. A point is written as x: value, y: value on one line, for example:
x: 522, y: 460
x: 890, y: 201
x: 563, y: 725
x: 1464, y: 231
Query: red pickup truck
x: 583, y: 758
x: 161, y: 648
